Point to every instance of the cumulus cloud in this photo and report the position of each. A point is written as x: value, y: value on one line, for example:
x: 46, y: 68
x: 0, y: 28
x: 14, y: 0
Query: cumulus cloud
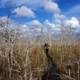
x: 5, y: 20
x: 24, y: 11
x: 52, y: 27
x: 60, y: 16
x: 46, y: 26
x: 35, y: 25
x: 48, y: 5
x: 73, y: 22
x: 52, y: 7
x: 49, y: 24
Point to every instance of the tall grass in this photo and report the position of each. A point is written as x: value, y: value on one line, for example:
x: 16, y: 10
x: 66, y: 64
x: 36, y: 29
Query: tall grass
x: 24, y: 59
x: 21, y: 62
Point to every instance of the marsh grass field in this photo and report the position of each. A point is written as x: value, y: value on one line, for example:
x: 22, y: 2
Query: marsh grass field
x: 39, y: 39
x: 23, y: 61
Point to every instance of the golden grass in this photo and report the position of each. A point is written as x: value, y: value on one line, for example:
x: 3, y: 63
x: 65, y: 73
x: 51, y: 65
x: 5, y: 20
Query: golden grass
x: 21, y: 62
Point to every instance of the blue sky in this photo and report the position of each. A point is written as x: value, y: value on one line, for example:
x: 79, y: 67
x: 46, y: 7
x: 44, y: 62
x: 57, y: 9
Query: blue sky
x: 50, y: 13
x: 65, y: 6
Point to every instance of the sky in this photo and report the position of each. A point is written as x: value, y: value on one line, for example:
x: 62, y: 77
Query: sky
x: 52, y: 14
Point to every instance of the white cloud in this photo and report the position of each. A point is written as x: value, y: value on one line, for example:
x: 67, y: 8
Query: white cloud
x: 31, y: 3
x: 5, y: 20
x: 35, y: 25
x: 24, y: 11
x: 25, y: 28
x: 73, y: 22
x: 51, y: 27
x: 52, y: 7
x: 49, y: 24
x: 60, y: 16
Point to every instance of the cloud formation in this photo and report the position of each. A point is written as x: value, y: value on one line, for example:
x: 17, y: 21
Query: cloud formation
x: 52, y: 7
x: 5, y: 20
x: 31, y: 3
x: 24, y: 11
x: 73, y: 22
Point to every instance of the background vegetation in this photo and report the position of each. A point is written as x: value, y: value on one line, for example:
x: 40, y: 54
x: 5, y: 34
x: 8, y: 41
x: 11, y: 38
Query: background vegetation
x: 24, y: 59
